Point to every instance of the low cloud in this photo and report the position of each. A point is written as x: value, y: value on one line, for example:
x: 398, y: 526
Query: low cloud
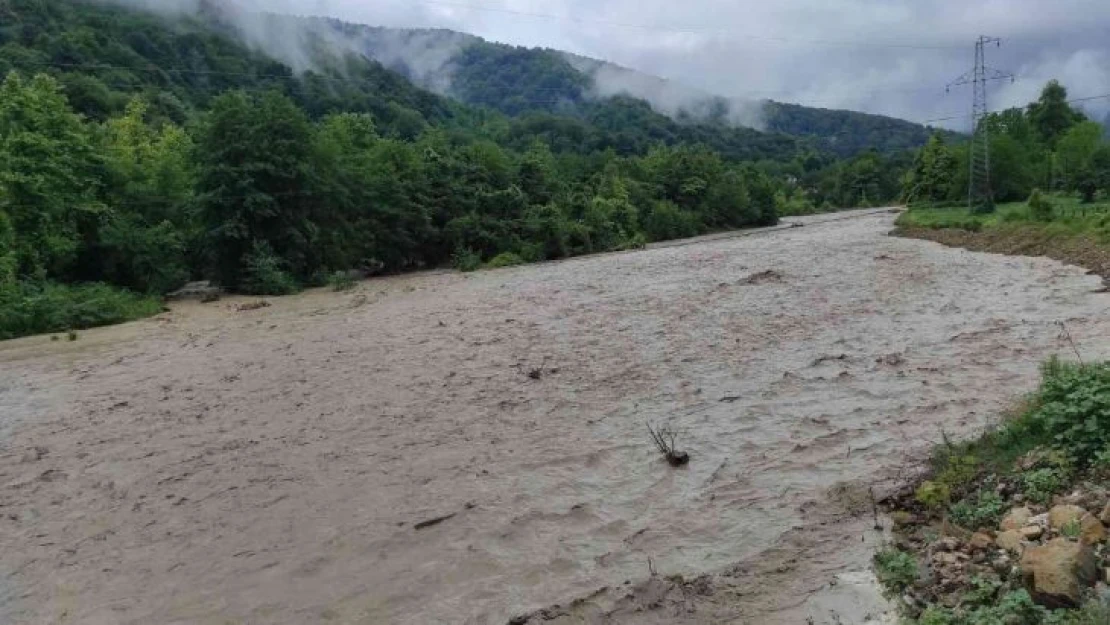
x: 890, y: 57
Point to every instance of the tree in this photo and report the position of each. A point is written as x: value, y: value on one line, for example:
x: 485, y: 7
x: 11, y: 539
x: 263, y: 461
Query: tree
x: 142, y: 240
x: 255, y: 155
x: 729, y: 204
x: 1100, y: 167
x: 48, y: 176
x: 1012, y: 177
x: 1051, y: 115
x: 1075, y: 149
x: 930, y: 179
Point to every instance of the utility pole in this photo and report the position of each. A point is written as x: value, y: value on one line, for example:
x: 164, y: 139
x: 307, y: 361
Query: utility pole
x: 980, y: 198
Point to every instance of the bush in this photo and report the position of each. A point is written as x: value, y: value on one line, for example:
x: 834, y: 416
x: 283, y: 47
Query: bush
x: 1073, y: 409
x: 1040, y: 485
x: 981, y: 510
x: 984, y: 207
x: 263, y: 273
x: 958, y: 470
x: 37, y: 308
x: 933, y: 495
x: 341, y: 281
x: 505, y: 259
x: 667, y: 221
x: 896, y: 569
x: 1040, y: 207
x: 935, y: 615
x: 1013, y: 608
x: 466, y: 259
x: 148, y: 259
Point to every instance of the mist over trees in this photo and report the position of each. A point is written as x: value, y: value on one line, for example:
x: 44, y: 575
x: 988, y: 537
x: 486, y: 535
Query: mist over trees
x: 141, y: 153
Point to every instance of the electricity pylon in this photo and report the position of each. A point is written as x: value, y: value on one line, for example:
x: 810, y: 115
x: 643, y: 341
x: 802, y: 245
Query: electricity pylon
x: 980, y: 198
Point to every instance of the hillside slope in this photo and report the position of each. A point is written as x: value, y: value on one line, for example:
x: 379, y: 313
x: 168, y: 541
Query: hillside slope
x: 517, y: 80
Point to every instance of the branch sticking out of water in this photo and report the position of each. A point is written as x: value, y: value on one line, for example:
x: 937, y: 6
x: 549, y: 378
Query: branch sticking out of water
x: 1066, y: 334
x: 664, y: 439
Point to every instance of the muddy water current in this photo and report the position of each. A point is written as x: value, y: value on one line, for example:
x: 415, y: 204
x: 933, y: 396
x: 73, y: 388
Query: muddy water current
x: 446, y: 448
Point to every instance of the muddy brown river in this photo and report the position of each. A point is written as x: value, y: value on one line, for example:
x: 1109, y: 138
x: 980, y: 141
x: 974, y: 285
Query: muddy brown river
x: 385, y: 455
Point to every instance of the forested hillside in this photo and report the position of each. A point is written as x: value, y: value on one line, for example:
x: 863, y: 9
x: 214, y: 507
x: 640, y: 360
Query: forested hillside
x: 516, y: 80
x: 848, y: 132
x: 138, y: 152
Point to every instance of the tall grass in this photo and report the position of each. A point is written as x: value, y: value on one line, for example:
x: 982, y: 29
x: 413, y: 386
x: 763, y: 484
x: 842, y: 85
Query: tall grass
x: 1069, y: 217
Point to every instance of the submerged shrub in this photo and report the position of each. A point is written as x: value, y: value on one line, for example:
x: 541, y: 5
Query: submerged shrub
x: 341, y: 281
x: 505, y: 259
x: 36, y: 308
x: 263, y: 273
x: 466, y: 259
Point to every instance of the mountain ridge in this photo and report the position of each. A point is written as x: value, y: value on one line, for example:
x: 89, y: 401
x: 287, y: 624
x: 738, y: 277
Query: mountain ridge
x: 518, y: 79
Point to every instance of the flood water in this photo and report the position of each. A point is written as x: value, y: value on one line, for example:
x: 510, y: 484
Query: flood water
x: 214, y: 465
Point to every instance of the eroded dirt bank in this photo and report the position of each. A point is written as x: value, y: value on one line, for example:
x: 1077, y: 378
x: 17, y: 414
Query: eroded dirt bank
x: 1022, y: 241
x: 213, y: 466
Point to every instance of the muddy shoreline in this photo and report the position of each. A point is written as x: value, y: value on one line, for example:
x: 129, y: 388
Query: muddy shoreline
x: 1020, y: 241
x: 273, y: 465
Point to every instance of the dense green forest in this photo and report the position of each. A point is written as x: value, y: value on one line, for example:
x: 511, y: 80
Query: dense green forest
x: 1048, y: 145
x: 848, y: 132
x: 137, y: 153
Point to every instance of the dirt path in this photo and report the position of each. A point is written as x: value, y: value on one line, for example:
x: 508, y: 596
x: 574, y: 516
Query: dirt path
x: 272, y: 466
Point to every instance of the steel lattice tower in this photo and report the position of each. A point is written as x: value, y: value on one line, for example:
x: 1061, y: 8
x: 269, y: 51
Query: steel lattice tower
x: 980, y: 198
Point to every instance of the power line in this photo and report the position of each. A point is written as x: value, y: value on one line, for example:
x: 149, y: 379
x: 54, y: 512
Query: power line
x: 955, y: 117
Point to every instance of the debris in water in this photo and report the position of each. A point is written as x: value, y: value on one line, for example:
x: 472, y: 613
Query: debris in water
x: 253, y: 306
x: 892, y: 360
x: 536, y: 373
x: 824, y: 359
x: 664, y: 441
x: 764, y: 277
x: 432, y: 522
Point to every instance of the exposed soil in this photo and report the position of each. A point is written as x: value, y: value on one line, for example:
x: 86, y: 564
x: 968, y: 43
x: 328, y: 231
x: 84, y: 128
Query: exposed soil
x: 384, y: 455
x: 1021, y: 241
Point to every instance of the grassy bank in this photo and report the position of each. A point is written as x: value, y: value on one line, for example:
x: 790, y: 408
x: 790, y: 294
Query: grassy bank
x: 1070, y: 231
x: 985, y: 538
x: 37, y: 308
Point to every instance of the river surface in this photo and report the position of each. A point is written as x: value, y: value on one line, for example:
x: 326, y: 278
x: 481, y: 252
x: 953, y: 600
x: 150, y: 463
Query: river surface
x: 217, y: 465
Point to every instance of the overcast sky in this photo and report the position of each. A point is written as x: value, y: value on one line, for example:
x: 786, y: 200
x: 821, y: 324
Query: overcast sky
x: 884, y: 56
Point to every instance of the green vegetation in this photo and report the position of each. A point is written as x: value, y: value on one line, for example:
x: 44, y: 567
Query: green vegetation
x: 1055, y: 439
x: 505, y: 259
x: 1067, y: 419
x: 1012, y: 608
x: 341, y: 281
x: 896, y: 569
x: 141, y: 152
x: 1048, y: 145
x: 41, y: 307
x: 981, y: 509
x: 849, y: 132
x: 1040, y: 224
x: 1039, y: 485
